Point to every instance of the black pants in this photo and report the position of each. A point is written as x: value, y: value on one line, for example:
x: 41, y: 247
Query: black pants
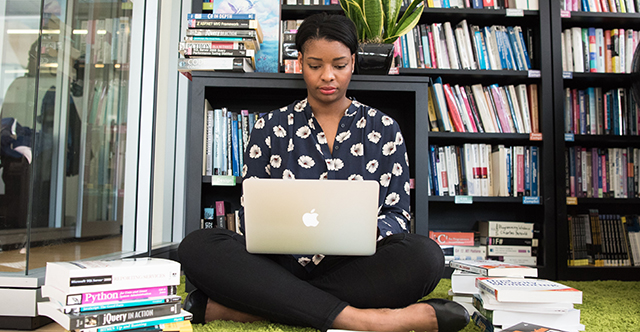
x: 404, y: 268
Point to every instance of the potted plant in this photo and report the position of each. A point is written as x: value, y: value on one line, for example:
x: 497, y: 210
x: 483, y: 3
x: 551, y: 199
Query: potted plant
x: 378, y: 28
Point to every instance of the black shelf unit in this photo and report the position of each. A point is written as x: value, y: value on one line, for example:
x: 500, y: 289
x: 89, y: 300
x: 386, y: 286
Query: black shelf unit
x: 561, y: 20
x: 401, y: 97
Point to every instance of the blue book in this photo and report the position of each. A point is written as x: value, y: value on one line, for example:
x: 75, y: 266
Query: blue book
x: 513, y: 41
x: 213, y: 38
x: 572, y: 172
x: 502, y: 52
x: 481, y: 50
x: 534, y: 171
x: 509, y: 172
x: 221, y: 16
x: 144, y: 323
x: 433, y: 156
x: 616, y: 112
x: 235, y: 147
x: 405, y: 51
x: 509, y: 51
x: 585, y: 5
x: 240, y: 145
x: 252, y: 122
x: 446, y: 4
x: 591, y: 93
x: 527, y: 171
x: 477, y: 4
x: 524, y: 46
x: 226, y: 136
x: 426, y: 51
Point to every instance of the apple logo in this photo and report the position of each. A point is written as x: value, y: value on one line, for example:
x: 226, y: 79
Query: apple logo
x: 310, y: 219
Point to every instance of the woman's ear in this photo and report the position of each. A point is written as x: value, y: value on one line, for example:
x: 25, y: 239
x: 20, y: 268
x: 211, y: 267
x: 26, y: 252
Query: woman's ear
x: 353, y: 62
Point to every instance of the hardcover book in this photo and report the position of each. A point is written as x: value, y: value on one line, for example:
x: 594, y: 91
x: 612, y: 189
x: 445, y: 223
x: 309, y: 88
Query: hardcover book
x: 492, y: 268
x: 513, y: 229
x: 267, y: 13
x: 92, y: 298
x: 95, y: 276
x: 533, y: 290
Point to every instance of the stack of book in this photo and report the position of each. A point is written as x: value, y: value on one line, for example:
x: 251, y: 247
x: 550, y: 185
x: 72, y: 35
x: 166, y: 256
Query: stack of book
x: 458, y: 245
x: 510, y: 241
x: 504, y: 302
x: 289, y: 54
x: 104, y: 296
x: 598, y: 50
x: 220, y: 42
x: 463, y: 279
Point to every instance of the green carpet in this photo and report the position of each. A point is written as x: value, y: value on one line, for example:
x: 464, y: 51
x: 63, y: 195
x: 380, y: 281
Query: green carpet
x: 607, y: 306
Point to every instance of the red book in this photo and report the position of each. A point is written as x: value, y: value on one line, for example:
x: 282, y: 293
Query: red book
x: 489, y: 4
x: 607, y: 51
x: 576, y: 111
x: 502, y: 115
x: 465, y: 102
x: 221, y: 221
x: 432, y: 48
x: 452, y: 238
x: 454, y: 112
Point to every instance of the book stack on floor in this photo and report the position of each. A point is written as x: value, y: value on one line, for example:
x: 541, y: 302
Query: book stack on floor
x: 505, y: 302
x: 510, y: 241
x: 458, y: 245
x: 463, y: 279
x: 117, y: 295
x: 220, y: 42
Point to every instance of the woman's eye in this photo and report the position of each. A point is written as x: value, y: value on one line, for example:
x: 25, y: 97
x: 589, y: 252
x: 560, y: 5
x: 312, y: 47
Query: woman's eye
x: 314, y: 67
x: 341, y: 66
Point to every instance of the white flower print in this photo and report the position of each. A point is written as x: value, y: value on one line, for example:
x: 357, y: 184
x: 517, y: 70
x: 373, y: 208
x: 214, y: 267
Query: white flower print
x: 384, y: 179
x: 397, y: 169
x: 288, y: 175
x: 372, y: 165
x: 407, y: 188
x: 275, y: 161
x: 244, y: 170
x: 374, y: 137
x: 270, y: 115
x: 346, y: 112
x: 259, y: 124
x: 343, y: 136
x: 387, y: 121
x: 290, y: 119
x: 290, y: 147
x: 389, y: 233
x: 322, y: 139
x: 382, y: 216
x: 283, y: 109
x: 319, y: 148
x: 357, y: 150
x: 389, y: 148
x: 402, y: 223
x: 303, y: 132
x: 311, y: 125
x: 304, y: 261
x: 279, y: 131
x: 267, y: 169
x: 300, y: 106
x: 324, y: 176
x: 399, y: 139
x: 356, y: 177
x: 267, y: 141
x: 372, y: 112
x: 406, y: 158
x: 334, y: 164
x: 255, y: 152
x: 306, y: 161
x: 392, y: 199
x: 361, y: 123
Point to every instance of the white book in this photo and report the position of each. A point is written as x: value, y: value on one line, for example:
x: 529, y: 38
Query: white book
x: 484, y: 166
x: 490, y: 303
x: 411, y: 50
x: 623, y: 50
x: 451, y: 46
x: 554, y: 320
x: 92, y: 276
x: 209, y: 138
x: 513, y: 229
x: 568, y: 55
x: 443, y: 179
x: 468, y: 44
x: 600, y: 49
x: 216, y: 63
x: 442, y: 58
x: 492, y: 47
x: 452, y: 169
x: 470, y: 167
x: 477, y: 172
x: 499, y: 167
x: 631, y: 6
x: 502, y: 250
x: 533, y: 4
x: 563, y: 49
x: 464, y: 56
x: 464, y: 282
x: 629, y: 48
x: 576, y: 44
x: 534, y: 290
x: 511, y: 90
x: 521, y: 260
x: 483, y: 109
x: 466, y: 118
x: 492, y: 268
x: 523, y: 102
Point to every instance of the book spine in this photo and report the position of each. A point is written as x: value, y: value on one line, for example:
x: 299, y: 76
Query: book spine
x: 142, y: 324
x: 470, y: 268
x: 220, y: 215
x: 506, y: 241
x: 190, y: 51
x: 120, y: 304
x: 222, y: 24
x: 112, y: 317
x: 220, y: 16
x: 222, y: 33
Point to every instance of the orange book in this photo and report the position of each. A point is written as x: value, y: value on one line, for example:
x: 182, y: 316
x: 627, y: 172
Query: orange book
x: 607, y: 51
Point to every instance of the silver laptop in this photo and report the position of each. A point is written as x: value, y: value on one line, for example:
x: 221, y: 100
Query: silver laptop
x: 330, y: 217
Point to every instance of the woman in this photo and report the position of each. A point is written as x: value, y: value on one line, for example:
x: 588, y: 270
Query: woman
x: 325, y: 136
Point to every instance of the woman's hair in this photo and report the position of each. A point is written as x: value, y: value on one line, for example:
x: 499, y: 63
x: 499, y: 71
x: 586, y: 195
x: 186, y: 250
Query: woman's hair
x: 330, y: 27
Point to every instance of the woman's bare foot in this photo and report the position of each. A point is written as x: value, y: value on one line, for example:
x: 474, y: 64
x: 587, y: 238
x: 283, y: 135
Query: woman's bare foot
x: 216, y: 311
x: 416, y: 317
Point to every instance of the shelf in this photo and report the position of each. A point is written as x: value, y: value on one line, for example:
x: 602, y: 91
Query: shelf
x: 624, y: 273
x: 605, y: 140
x: 479, y: 199
x: 494, y: 138
x: 602, y: 20
x: 582, y: 201
x: 468, y: 77
x: 584, y: 80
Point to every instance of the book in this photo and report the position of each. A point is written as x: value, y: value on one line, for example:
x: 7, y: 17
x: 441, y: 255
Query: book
x: 110, y: 296
x: 223, y: 24
x: 528, y: 327
x: 95, y: 276
x: 117, y: 305
x: 508, y: 318
x: 237, y: 64
x: 513, y: 229
x: 96, y: 319
x: 484, y: 240
x: 492, y: 268
x: 534, y: 290
x: 219, y: 16
x: 464, y: 282
x: 221, y: 215
x: 452, y: 238
x: 504, y: 250
x: 225, y: 33
x: 488, y: 302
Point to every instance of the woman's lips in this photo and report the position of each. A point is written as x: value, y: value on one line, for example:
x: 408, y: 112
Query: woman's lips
x: 327, y: 90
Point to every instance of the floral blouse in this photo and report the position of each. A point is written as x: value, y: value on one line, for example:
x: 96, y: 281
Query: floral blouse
x: 289, y: 143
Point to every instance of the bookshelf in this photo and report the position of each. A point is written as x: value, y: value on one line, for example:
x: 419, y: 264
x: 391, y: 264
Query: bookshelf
x: 561, y: 20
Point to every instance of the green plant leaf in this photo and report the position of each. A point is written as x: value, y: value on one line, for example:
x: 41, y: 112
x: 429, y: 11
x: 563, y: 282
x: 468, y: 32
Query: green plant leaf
x: 391, y: 10
x: 353, y: 10
x: 409, y: 19
x: 374, y: 18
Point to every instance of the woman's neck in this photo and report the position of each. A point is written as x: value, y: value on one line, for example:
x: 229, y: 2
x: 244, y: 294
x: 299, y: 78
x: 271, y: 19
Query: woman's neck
x: 332, y: 110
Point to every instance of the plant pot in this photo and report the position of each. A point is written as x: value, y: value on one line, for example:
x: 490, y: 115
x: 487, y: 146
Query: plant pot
x: 374, y: 59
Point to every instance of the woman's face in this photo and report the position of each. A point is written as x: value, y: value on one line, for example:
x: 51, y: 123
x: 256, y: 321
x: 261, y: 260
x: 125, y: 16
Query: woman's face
x: 326, y: 67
